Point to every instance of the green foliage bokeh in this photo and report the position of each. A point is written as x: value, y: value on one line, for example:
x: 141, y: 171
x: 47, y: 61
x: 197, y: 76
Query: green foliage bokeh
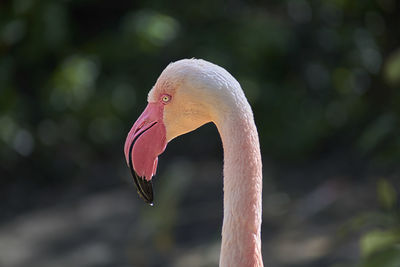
x: 322, y: 77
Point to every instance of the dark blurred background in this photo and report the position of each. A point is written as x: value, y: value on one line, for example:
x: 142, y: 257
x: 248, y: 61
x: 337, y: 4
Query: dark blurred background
x: 323, y: 78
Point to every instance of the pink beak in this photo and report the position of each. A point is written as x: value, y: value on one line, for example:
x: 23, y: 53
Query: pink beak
x: 145, y: 141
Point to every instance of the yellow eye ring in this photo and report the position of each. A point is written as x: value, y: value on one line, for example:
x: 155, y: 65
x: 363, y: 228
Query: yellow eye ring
x: 165, y: 98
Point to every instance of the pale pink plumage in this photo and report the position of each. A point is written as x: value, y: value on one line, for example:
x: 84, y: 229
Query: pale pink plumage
x: 201, y: 92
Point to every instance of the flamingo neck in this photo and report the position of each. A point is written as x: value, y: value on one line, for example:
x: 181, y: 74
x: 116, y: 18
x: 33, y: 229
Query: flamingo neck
x: 241, y: 230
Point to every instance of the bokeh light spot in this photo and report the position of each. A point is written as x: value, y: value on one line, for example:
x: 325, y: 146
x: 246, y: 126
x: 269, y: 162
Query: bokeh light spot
x: 24, y: 142
x: 74, y: 82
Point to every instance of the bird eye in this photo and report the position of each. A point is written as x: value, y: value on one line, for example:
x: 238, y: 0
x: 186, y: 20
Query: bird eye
x: 166, y: 98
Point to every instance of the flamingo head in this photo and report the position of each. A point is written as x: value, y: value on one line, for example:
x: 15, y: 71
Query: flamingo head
x: 184, y: 98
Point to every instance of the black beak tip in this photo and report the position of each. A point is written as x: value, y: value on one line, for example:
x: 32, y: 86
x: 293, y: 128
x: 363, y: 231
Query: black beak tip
x: 146, y: 199
x: 144, y: 189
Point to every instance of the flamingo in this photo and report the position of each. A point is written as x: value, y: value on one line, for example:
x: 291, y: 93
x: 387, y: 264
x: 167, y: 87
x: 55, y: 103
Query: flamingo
x: 188, y: 94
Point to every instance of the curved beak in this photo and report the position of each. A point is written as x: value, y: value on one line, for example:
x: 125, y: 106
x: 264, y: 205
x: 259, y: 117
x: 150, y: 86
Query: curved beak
x: 145, y: 142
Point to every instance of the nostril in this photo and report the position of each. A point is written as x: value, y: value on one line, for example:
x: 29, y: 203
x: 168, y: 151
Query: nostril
x: 139, y: 127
